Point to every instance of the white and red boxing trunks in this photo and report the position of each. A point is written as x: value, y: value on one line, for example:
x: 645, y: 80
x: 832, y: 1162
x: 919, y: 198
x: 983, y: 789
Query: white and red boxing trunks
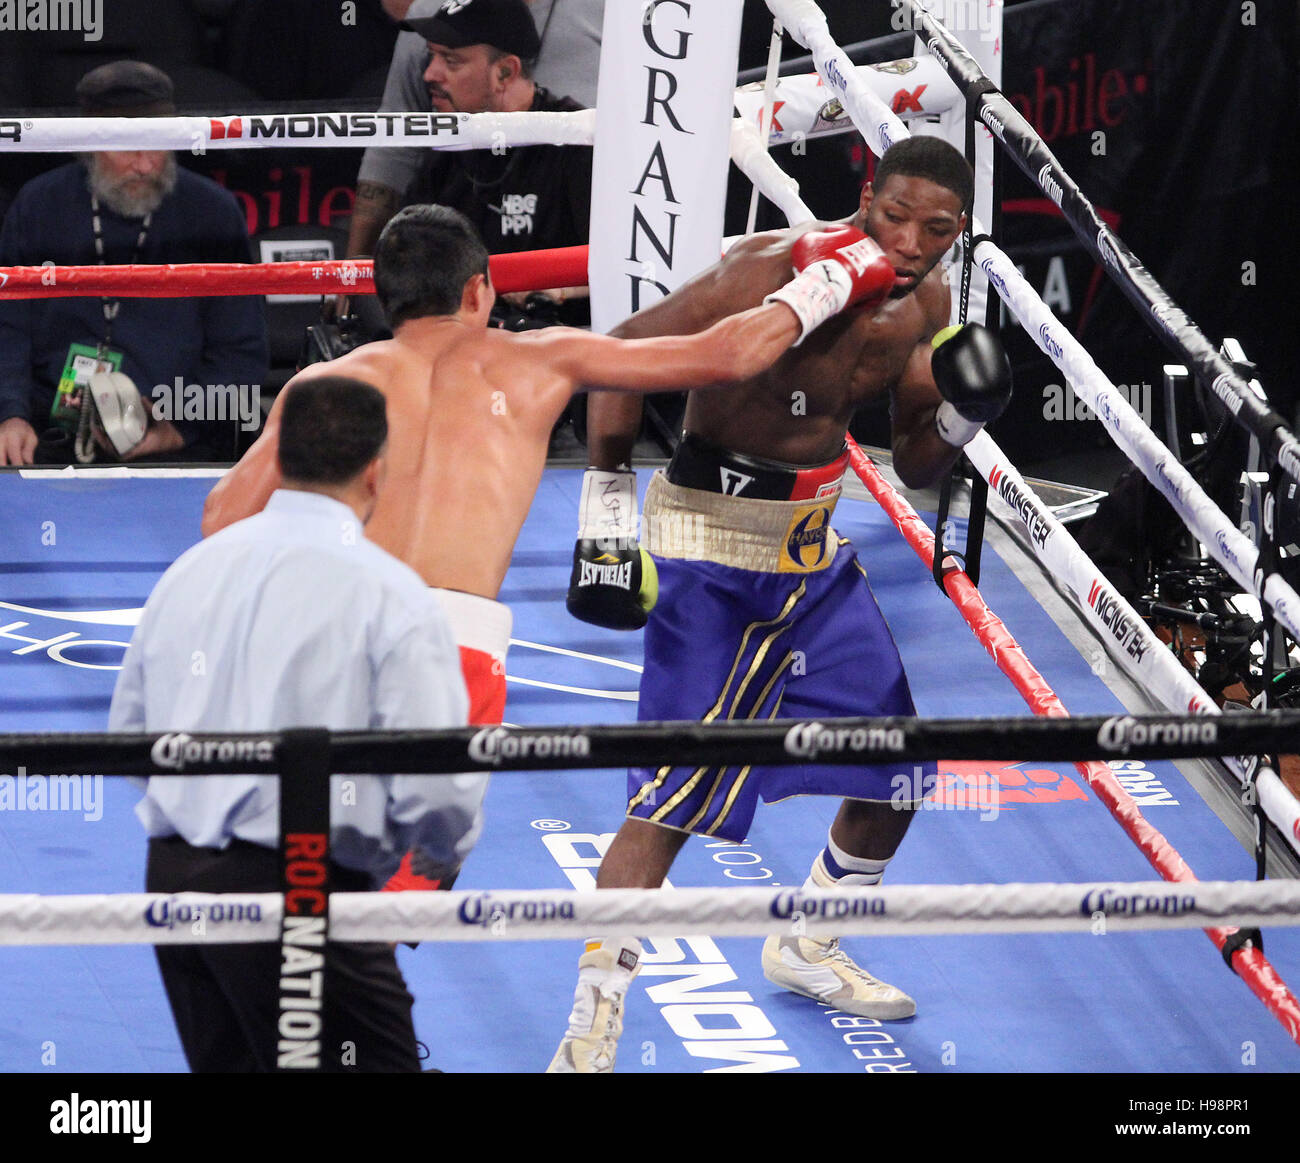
x: 481, y: 628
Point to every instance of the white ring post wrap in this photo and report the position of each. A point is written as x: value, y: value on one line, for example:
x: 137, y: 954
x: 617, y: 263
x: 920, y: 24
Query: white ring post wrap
x: 1130, y: 642
x: 874, y: 119
x: 806, y: 112
x: 1224, y: 541
x: 663, y: 137
x: 771, y: 180
x: 607, y: 510
x: 545, y: 914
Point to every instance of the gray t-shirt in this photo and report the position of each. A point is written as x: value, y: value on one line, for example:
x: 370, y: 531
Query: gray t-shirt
x: 568, y: 66
x: 569, y: 62
x: 404, y: 92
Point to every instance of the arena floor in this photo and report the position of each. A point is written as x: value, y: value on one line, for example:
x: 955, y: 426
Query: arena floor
x: 1141, y: 1003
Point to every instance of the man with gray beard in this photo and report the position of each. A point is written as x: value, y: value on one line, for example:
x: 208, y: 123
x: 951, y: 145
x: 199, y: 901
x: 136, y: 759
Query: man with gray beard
x: 133, y: 183
x: 117, y: 207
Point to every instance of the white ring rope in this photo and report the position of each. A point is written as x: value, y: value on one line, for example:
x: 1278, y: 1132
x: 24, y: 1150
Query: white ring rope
x: 801, y: 98
x: 299, y: 130
x: 546, y: 914
x: 1130, y: 641
x: 769, y: 178
x: 1222, y: 539
x: 471, y: 131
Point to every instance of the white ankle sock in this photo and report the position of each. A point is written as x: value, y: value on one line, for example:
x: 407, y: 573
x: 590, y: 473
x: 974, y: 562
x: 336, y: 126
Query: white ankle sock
x: 840, y: 868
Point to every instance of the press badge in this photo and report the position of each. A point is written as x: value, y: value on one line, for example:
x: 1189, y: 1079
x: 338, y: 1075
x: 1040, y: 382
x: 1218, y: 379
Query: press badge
x: 83, y: 362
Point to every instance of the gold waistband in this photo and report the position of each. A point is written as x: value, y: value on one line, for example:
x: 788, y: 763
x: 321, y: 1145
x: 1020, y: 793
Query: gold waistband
x: 768, y: 536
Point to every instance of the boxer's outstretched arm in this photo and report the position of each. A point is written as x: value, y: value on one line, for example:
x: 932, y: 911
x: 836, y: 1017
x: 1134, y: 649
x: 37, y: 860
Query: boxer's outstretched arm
x: 735, y: 349
x: 834, y: 269
x: 752, y: 267
x: 246, y: 488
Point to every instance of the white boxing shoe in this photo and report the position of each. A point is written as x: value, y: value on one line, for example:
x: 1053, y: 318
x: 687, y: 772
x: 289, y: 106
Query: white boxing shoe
x: 590, y: 1044
x: 823, y: 971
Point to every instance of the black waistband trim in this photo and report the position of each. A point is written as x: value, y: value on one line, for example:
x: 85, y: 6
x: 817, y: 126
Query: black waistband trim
x: 698, y: 463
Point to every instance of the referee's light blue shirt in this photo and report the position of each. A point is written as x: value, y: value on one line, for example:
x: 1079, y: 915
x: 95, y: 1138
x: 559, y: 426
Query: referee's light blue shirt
x: 292, y: 618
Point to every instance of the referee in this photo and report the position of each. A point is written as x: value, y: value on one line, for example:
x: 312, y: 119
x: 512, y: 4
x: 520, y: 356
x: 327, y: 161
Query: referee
x: 291, y: 618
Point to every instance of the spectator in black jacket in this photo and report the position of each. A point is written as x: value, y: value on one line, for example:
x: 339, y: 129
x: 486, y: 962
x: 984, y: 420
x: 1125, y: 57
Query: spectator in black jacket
x: 197, y: 362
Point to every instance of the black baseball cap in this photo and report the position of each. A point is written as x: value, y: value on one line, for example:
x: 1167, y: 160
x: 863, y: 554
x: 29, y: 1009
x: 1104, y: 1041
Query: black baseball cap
x: 504, y: 24
x: 126, y: 89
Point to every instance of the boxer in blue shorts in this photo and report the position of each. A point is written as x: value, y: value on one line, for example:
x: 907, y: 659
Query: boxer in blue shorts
x: 779, y: 626
x: 763, y: 612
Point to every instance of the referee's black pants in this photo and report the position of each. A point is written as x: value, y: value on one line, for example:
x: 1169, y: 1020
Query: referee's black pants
x: 225, y: 998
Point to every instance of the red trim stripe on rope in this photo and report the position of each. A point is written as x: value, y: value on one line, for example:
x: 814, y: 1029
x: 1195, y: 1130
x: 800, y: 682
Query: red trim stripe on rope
x: 533, y: 270
x: 1249, y: 963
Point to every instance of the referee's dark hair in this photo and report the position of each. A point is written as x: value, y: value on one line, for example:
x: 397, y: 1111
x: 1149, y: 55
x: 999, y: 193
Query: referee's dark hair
x: 330, y: 429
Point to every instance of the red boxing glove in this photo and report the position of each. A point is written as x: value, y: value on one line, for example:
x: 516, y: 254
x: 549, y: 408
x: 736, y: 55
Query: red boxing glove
x: 406, y: 879
x: 834, y: 269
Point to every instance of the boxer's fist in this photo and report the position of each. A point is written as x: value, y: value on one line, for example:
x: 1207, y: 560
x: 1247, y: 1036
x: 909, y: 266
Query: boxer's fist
x: 973, y: 375
x: 614, y: 582
x: 834, y: 269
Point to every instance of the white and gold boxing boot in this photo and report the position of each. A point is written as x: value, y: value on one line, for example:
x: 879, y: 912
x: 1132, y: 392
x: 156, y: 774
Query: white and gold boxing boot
x: 822, y: 970
x: 605, y: 971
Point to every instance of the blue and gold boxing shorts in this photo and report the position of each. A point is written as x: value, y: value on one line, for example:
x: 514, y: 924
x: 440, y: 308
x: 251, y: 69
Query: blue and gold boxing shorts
x: 761, y: 617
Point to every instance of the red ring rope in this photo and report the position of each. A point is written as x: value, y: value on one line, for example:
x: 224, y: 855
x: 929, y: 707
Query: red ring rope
x: 1249, y: 963
x: 534, y: 270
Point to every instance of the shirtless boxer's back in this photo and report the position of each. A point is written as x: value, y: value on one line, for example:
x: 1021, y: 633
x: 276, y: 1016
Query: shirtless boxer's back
x: 471, y: 410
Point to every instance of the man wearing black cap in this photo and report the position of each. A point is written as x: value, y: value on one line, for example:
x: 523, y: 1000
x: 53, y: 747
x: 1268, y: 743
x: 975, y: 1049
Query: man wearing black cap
x: 132, y: 183
x: 477, y: 57
x: 113, y: 207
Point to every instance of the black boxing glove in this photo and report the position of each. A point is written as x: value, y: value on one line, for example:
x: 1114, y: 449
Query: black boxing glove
x: 614, y: 583
x: 973, y: 375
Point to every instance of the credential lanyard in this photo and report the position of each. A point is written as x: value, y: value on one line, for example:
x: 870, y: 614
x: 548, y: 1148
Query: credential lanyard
x: 112, y: 306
